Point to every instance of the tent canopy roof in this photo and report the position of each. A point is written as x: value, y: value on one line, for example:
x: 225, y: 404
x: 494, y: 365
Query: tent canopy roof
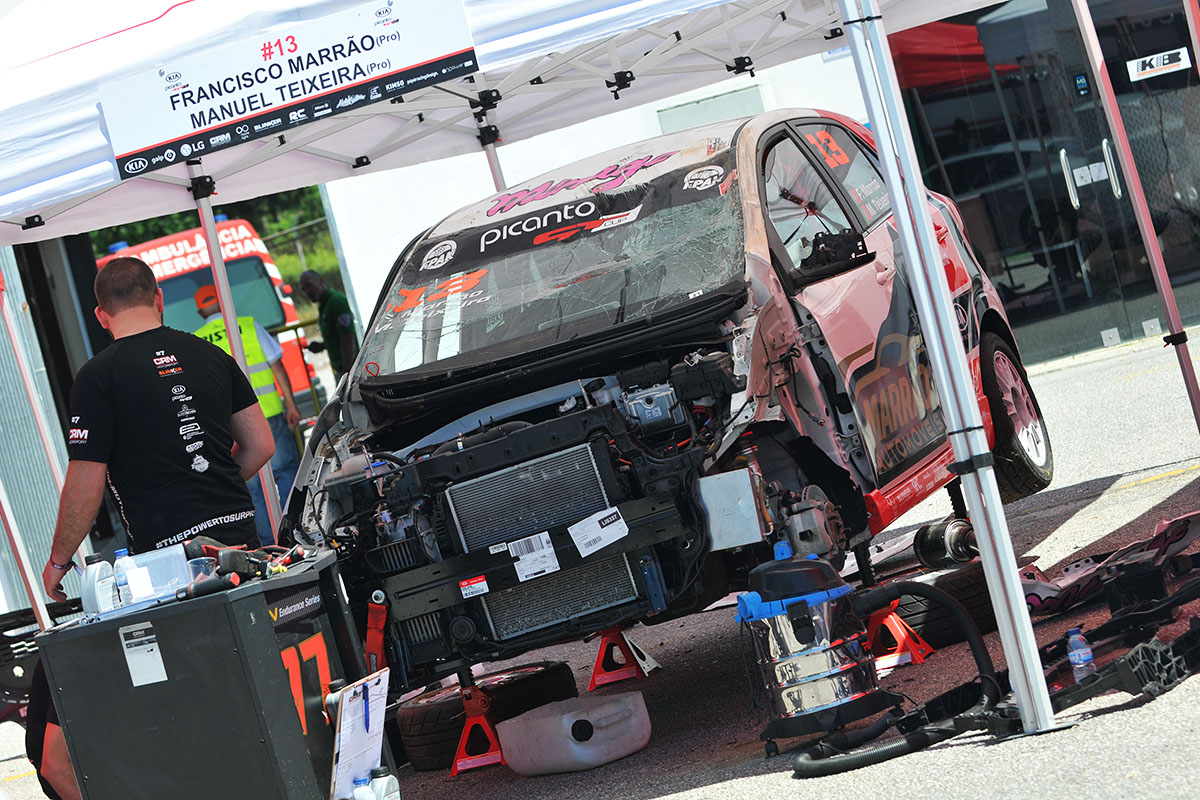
x: 550, y: 66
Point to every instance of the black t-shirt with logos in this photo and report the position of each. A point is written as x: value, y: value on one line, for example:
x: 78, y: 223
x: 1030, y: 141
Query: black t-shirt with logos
x: 157, y: 408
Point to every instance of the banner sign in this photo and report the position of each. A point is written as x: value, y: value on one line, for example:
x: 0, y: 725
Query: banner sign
x: 1160, y: 64
x: 265, y: 85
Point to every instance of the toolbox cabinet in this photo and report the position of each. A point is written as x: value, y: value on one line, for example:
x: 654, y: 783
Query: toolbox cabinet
x: 230, y: 699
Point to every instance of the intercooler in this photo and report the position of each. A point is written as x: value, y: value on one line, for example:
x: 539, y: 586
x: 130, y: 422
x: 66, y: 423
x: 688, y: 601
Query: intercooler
x: 534, y: 496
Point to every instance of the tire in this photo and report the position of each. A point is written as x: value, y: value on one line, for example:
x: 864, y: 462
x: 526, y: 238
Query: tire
x: 431, y: 723
x: 1024, y: 460
x: 934, y: 624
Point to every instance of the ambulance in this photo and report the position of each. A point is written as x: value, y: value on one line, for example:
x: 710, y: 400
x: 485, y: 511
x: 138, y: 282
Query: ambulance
x: 181, y: 264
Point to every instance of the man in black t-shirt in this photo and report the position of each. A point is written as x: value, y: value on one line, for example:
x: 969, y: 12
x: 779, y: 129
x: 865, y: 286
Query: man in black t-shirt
x: 169, y: 418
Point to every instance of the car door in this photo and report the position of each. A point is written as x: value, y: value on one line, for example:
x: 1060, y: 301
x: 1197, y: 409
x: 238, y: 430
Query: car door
x: 818, y: 178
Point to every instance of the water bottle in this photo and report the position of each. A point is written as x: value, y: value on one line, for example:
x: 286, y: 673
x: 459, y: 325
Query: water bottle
x: 98, y: 587
x: 1080, y: 654
x: 384, y: 785
x: 122, y: 565
x: 361, y: 790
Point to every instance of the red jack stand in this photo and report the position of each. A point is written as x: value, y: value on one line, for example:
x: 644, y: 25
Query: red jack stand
x: 910, y: 648
x: 476, y: 703
x: 636, y: 664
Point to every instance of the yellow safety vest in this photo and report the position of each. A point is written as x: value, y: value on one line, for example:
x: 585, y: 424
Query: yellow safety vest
x: 261, y: 377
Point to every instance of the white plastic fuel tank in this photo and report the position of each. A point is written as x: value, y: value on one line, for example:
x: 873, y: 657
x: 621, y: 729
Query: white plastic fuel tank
x: 575, y: 734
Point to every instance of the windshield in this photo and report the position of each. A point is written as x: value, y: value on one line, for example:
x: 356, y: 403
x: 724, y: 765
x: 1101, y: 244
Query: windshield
x: 253, y: 290
x: 521, y: 282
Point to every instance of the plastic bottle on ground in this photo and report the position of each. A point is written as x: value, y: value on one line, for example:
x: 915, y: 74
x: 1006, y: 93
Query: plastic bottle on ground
x: 384, y: 785
x: 121, y: 565
x: 98, y: 592
x: 1080, y: 654
x: 361, y: 790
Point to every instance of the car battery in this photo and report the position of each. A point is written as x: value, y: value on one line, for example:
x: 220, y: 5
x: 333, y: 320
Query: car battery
x: 217, y: 696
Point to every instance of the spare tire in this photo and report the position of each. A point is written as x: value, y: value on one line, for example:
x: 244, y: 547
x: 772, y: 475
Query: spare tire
x: 432, y: 722
x: 933, y: 623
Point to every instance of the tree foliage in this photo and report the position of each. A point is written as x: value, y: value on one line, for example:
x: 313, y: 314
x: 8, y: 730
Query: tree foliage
x: 274, y: 216
x: 269, y: 214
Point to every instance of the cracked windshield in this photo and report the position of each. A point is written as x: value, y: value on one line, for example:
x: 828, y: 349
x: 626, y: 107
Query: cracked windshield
x: 524, y: 281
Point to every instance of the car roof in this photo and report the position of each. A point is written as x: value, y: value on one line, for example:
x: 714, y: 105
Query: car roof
x: 639, y: 162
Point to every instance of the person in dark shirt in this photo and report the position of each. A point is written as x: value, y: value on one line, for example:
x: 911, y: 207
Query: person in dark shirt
x: 169, y: 418
x: 335, y: 321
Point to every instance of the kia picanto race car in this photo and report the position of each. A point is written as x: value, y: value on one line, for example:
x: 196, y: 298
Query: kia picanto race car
x: 604, y: 395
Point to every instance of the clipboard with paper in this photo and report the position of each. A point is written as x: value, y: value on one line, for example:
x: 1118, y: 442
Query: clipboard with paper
x: 358, y: 734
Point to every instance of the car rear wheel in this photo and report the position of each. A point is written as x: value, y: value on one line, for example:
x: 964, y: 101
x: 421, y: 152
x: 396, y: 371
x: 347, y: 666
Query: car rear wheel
x: 1024, y: 461
x: 431, y: 723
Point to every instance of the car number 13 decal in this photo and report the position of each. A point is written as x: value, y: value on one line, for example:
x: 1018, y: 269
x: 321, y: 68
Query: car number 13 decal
x: 834, y: 155
x: 451, y: 286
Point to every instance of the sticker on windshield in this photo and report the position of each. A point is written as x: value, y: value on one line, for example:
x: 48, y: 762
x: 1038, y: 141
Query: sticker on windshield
x: 703, y: 178
x: 535, y: 556
x: 439, y: 255
x: 729, y: 179
x: 597, y: 531
x: 601, y: 224
x: 536, y: 222
x: 451, y: 286
x: 611, y: 177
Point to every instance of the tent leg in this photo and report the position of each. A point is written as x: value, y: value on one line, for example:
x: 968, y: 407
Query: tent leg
x: 229, y: 313
x: 493, y: 160
x: 33, y: 584
x: 1141, y: 209
x: 35, y: 404
x: 906, y: 189
x: 29, y: 576
x: 1191, y: 9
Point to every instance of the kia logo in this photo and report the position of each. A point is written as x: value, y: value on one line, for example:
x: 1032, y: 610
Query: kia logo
x: 174, y: 76
x: 135, y: 165
x: 178, y: 389
x: 382, y: 12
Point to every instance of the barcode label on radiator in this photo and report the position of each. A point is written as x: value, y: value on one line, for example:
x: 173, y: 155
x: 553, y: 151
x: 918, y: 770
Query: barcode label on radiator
x: 535, y: 556
x: 599, y: 530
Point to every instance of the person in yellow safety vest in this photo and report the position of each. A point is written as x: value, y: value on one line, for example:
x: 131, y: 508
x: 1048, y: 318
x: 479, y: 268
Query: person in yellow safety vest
x: 264, y: 359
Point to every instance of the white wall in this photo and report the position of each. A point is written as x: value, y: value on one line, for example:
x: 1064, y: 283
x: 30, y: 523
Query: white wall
x: 378, y: 214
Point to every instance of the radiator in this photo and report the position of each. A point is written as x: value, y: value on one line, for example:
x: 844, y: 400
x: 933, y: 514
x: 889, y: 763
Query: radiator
x: 559, y: 489
x: 560, y: 596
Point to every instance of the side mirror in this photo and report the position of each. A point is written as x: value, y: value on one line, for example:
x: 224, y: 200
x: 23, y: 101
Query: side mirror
x: 831, y: 254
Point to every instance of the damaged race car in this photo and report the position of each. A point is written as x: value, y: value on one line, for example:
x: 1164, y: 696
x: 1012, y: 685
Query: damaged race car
x: 604, y: 395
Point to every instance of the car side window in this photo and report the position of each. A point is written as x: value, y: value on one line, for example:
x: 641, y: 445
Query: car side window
x: 851, y: 166
x: 799, y: 203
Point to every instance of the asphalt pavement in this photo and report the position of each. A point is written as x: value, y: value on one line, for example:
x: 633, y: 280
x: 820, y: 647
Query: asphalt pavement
x: 1126, y: 456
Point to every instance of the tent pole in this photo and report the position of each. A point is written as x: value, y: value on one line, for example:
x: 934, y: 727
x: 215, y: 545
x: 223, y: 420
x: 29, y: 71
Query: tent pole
x: 30, y: 577
x: 1137, y: 196
x: 493, y: 160
x: 1191, y: 9
x: 923, y: 260
x: 39, y: 417
x: 32, y: 581
x: 229, y: 314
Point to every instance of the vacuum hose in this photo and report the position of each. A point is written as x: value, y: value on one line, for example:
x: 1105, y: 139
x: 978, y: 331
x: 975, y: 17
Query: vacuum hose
x: 826, y: 757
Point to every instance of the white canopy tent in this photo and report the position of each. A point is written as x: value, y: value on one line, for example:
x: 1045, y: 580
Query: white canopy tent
x: 542, y: 68
x: 550, y: 65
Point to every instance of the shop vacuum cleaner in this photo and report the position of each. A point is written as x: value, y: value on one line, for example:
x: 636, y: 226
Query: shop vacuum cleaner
x: 810, y: 646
